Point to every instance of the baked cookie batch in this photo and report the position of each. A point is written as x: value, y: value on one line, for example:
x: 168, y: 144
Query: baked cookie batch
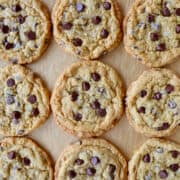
x: 89, y: 97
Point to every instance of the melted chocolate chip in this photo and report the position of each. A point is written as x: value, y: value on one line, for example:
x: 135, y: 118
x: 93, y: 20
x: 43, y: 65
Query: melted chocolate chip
x: 101, y: 112
x: 178, y: 28
x: 95, y: 76
x: 66, y: 25
x: 163, y: 174
x: 169, y: 88
x: 71, y: 174
x: 32, y: 99
x: 77, y: 116
x: 174, y: 167
x: 31, y: 35
x: 112, y: 169
x: 96, y: 20
x: 10, y: 99
x: 174, y: 154
x: 5, y: 29
x: 143, y: 93
x: 21, y: 19
x: 150, y: 18
x: 142, y: 109
x: 104, y: 33
x: 79, y: 162
x: 172, y: 104
x: 35, y: 112
x: 74, y: 96
x: 177, y: 11
x: 16, y: 8
x: 11, y: 155
x: 26, y: 161
x: 154, y: 36
x: 7, y: 44
x: 16, y: 115
x: 166, y: 12
x: 90, y: 171
x: 77, y: 42
x: 146, y: 158
x: 95, y: 104
x: 15, y: 121
x: 161, y: 47
x: 85, y: 86
x: 163, y: 127
x: 157, y: 96
x: 95, y: 160
x: 80, y: 7
x: 107, y: 5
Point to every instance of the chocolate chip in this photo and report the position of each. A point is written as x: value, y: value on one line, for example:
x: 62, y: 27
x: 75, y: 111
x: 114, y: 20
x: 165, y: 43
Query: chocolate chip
x: 10, y: 99
x: 163, y: 127
x: 72, y: 174
x: 5, y: 29
x: 31, y: 35
x: 143, y: 93
x: 16, y: 8
x: 163, y: 174
x: 178, y: 28
x: 95, y: 160
x: 172, y: 104
x: 166, y: 12
x: 107, y: 5
x: 66, y: 25
x: 11, y: 155
x: 7, y: 44
x: 74, y: 96
x: 101, y: 112
x: 104, y: 33
x: 90, y: 171
x: 174, y: 167
x: 142, y: 109
x: 157, y: 96
x: 95, y: 104
x: 112, y: 169
x: 85, y: 86
x: 150, y: 18
x: 95, y: 76
x: 169, y: 88
x: 80, y: 7
x: 79, y: 162
x: 35, y: 112
x: 77, y: 116
x: 96, y: 20
x: 77, y: 42
x: 154, y: 36
x: 161, y: 47
x: 32, y: 99
x: 21, y: 19
x: 174, y: 154
x: 26, y: 161
x: 177, y: 11
x: 16, y: 115
x: 146, y: 158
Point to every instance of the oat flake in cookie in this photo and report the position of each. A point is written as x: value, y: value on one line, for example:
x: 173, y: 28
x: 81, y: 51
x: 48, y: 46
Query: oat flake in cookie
x: 24, y: 30
x: 87, y: 28
x: 24, y: 101
x: 88, y: 99
x: 156, y: 159
x: 152, y: 31
x: 23, y: 159
x: 153, y: 103
x: 91, y: 159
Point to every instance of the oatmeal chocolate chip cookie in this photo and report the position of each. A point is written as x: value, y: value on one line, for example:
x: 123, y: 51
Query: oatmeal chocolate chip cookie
x: 157, y: 159
x: 22, y: 158
x: 24, y: 102
x: 152, y: 31
x: 91, y: 159
x: 24, y: 30
x: 153, y: 103
x: 88, y: 99
x: 87, y: 28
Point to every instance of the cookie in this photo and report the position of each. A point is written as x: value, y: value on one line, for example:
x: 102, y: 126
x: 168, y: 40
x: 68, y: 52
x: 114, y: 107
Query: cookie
x: 153, y: 103
x: 24, y: 102
x: 91, y: 159
x: 88, y: 29
x: 152, y: 31
x: 155, y: 160
x: 87, y: 99
x: 25, y: 30
x: 22, y: 158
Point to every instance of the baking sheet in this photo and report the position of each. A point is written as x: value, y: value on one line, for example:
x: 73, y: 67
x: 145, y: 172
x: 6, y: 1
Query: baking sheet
x: 52, y: 64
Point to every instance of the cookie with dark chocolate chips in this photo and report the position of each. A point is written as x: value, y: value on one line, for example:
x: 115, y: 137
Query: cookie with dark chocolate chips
x: 155, y: 160
x: 153, y: 103
x: 87, y: 28
x: 92, y: 159
x: 79, y: 106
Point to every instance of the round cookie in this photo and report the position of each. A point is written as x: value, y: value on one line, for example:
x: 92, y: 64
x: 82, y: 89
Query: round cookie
x: 153, y: 103
x: 88, y: 99
x: 91, y: 159
x: 152, y: 31
x: 22, y: 158
x: 25, y: 30
x: 88, y: 29
x: 24, y: 102
x: 156, y: 159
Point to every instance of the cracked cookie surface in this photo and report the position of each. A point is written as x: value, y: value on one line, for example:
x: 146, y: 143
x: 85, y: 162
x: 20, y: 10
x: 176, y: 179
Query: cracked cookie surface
x: 156, y: 159
x: 152, y: 31
x: 88, y: 99
x: 22, y: 158
x: 87, y: 28
x: 24, y: 102
x: 91, y: 159
x: 24, y: 30
x: 153, y: 102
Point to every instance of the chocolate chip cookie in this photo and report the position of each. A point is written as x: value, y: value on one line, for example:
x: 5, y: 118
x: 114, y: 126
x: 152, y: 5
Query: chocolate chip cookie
x: 91, y: 159
x: 24, y: 30
x: 88, y: 29
x: 24, y: 102
x: 88, y: 99
x: 157, y: 159
x: 22, y: 158
x: 153, y: 103
x: 152, y: 31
